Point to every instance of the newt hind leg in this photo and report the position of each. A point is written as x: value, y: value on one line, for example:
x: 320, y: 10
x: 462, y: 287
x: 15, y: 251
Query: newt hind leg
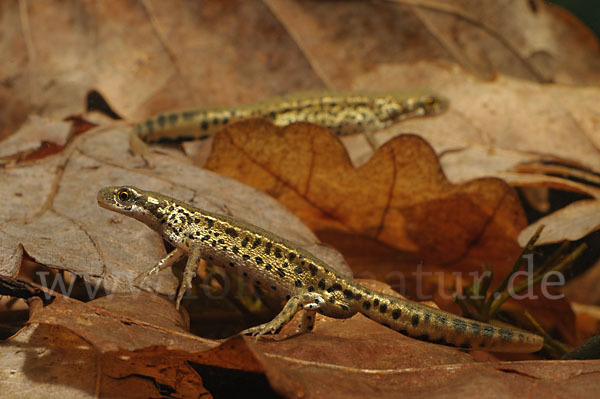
x: 310, y: 302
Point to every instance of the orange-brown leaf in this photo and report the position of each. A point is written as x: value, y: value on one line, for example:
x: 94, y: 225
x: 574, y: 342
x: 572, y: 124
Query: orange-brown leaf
x: 400, y: 201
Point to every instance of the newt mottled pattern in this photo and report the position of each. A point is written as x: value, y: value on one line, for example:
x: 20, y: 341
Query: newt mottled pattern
x: 272, y: 263
x: 342, y: 113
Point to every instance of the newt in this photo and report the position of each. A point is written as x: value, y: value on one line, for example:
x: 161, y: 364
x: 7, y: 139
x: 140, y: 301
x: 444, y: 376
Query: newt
x: 343, y: 113
x: 272, y: 263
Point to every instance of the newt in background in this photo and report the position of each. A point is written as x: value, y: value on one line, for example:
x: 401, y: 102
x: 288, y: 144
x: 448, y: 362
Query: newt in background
x: 343, y: 113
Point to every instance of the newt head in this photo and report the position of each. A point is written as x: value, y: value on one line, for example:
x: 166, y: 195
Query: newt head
x: 134, y: 202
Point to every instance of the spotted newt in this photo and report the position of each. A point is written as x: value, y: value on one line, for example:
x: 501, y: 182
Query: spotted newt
x: 342, y: 112
x: 275, y: 264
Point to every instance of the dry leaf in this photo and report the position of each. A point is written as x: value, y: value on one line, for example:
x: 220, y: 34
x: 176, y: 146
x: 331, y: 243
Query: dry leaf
x: 51, y: 362
x: 50, y: 208
x: 142, y: 56
x: 135, y: 338
x: 507, y: 117
x: 138, y: 336
x: 531, y: 40
x: 151, y: 56
x: 572, y: 222
x: 584, y: 287
x: 126, y: 321
x: 396, y: 218
x: 475, y: 138
x: 297, y: 378
x: 34, y: 134
x: 400, y: 200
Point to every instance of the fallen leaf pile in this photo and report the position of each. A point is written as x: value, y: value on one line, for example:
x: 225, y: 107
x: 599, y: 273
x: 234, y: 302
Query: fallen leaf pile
x: 442, y: 198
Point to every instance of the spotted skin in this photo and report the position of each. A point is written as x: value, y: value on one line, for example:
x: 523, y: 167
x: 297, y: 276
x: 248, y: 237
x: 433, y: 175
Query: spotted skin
x: 288, y: 271
x: 343, y: 113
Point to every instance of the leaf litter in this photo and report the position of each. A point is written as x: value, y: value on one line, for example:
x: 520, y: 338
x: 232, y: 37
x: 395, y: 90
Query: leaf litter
x: 157, y: 69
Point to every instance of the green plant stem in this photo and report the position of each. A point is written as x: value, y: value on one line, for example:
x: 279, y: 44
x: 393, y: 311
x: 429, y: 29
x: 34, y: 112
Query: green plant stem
x: 548, y: 340
x: 567, y: 261
x: 517, y: 265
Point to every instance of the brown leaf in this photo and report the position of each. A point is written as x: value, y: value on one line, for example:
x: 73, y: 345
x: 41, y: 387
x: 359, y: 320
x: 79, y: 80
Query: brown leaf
x: 494, y: 126
x: 364, y: 363
x: 396, y: 218
x: 143, y: 334
x: 50, y: 208
x: 484, y: 38
x: 584, y: 287
x: 494, y: 380
x: 33, y: 136
x: 52, y: 362
x: 400, y: 201
x: 149, y: 56
x: 128, y: 321
x: 572, y: 222
x: 144, y: 57
x: 125, y: 335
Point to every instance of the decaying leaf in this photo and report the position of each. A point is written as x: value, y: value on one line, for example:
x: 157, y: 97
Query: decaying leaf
x: 488, y: 57
x: 508, y: 121
x: 64, y: 228
x: 142, y: 56
x: 137, y: 343
x: 572, y: 222
x: 484, y: 38
x: 139, y: 336
x: 35, y: 134
x: 398, y: 201
x: 584, y: 288
x: 396, y: 218
x: 52, y: 362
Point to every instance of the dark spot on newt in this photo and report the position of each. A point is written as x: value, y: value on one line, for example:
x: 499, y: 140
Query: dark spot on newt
x: 487, y: 331
x: 334, y: 287
x: 231, y: 232
x: 459, y: 325
x: 414, y: 320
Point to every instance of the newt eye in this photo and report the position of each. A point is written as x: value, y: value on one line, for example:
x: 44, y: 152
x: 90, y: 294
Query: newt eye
x: 124, y: 195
